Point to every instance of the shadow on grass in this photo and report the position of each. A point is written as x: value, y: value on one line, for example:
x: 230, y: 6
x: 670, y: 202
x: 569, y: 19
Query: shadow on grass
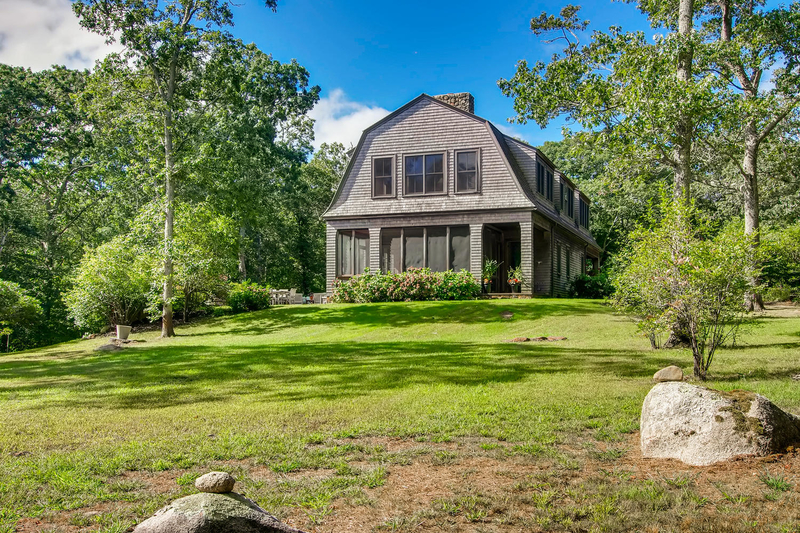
x: 174, y: 375
x: 398, y: 314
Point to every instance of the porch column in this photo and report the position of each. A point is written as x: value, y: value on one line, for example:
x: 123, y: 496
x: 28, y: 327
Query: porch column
x: 526, y: 255
x: 476, y: 250
x: 374, y: 249
x: 330, y: 256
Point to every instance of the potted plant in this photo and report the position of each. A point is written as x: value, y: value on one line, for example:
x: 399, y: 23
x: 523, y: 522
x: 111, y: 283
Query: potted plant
x: 516, y: 279
x: 490, y: 267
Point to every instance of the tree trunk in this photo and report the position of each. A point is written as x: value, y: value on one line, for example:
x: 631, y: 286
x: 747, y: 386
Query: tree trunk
x: 750, y: 194
x: 242, y: 262
x: 684, y: 128
x: 167, y: 328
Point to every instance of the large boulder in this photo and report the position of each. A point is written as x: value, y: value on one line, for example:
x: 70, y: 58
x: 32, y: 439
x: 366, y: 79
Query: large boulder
x: 213, y: 513
x: 702, y: 426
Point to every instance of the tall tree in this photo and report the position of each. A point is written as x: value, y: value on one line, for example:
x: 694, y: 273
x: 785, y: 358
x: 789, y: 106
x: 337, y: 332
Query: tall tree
x: 168, y: 42
x: 646, y: 97
x: 750, y: 43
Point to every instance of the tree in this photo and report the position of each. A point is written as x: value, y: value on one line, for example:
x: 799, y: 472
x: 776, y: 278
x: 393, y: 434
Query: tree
x: 678, y: 271
x: 644, y: 98
x: 749, y: 43
x: 168, y: 44
x: 58, y: 193
x: 622, y: 197
x: 112, y: 285
x: 17, y: 310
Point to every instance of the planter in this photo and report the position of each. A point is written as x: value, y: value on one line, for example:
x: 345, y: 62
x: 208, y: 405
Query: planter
x: 516, y: 288
x: 123, y: 332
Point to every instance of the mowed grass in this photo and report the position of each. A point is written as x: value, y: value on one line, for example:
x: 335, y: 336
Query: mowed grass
x: 277, y: 389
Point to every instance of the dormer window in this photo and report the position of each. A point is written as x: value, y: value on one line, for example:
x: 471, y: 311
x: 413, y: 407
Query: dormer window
x: 424, y: 174
x: 568, y: 197
x: 467, y: 171
x: 544, y: 181
x: 584, y: 214
x: 383, y: 177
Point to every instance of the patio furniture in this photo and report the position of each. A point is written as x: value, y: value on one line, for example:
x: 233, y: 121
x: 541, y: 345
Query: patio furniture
x: 320, y: 297
x: 294, y: 297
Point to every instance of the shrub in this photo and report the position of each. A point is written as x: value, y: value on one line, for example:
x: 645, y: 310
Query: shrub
x: 247, y: 296
x: 412, y: 285
x: 112, y: 286
x: 675, y: 273
x: 221, y: 310
x: 18, y: 311
x: 588, y: 286
x: 780, y: 252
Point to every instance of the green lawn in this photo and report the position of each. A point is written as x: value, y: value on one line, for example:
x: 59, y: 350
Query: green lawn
x: 299, y: 389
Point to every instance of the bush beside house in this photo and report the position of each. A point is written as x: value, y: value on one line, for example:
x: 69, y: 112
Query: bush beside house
x: 412, y: 285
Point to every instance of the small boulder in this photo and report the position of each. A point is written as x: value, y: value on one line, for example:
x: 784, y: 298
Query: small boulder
x: 108, y: 348
x: 701, y: 426
x: 209, y: 513
x: 219, y: 482
x: 670, y: 373
x: 520, y: 339
x: 506, y: 314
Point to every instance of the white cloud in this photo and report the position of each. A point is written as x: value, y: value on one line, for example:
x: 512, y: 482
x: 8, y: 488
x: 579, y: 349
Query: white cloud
x: 511, y: 132
x: 338, y: 119
x: 41, y: 33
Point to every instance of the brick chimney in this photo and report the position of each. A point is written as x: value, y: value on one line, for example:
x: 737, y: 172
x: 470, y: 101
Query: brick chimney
x: 463, y: 101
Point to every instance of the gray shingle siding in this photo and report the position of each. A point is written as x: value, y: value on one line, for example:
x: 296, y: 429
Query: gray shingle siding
x: 507, y: 192
x: 428, y: 127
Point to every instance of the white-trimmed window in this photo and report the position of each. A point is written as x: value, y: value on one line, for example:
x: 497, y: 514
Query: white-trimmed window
x: 383, y: 177
x: 467, y: 171
x: 424, y: 174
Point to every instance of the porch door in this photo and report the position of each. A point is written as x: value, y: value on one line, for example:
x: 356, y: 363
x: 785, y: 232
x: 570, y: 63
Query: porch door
x: 493, y: 249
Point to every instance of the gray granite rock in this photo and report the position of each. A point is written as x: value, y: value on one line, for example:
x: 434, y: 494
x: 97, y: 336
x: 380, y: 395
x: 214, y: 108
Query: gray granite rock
x: 218, y: 482
x: 701, y: 426
x: 213, y: 513
x: 670, y: 373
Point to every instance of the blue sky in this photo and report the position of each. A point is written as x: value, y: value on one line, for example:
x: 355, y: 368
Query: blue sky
x: 382, y: 54
x: 369, y: 57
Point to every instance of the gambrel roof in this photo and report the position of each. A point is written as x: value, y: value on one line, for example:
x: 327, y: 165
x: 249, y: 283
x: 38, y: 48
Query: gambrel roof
x: 517, y: 157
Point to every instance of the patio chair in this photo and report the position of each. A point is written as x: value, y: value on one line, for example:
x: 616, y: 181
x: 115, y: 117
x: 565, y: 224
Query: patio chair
x: 320, y: 297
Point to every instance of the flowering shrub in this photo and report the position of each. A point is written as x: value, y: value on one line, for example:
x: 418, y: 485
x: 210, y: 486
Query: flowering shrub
x: 412, y: 285
x: 247, y: 296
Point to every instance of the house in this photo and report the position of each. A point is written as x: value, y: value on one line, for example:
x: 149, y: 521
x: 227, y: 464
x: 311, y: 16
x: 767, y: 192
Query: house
x: 433, y: 185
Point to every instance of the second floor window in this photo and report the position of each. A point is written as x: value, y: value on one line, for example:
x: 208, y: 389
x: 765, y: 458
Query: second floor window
x: 569, y: 200
x: 424, y: 174
x: 382, y: 176
x: 467, y: 171
x: 584, y: 214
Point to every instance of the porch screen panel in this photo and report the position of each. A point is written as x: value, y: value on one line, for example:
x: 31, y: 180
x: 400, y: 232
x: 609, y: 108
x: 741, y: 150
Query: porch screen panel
x: 414, y: 247
x: 459, y: 248
x: 437, y: 249
x: 361, y: 251
x: 391, y: 260
x: 345, y: 250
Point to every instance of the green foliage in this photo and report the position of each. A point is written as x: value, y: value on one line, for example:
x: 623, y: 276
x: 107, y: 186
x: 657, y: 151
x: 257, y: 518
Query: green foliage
x: 112, y: 286
x: 490, y: 267
x: 18, y: 310
x: 591, y: 286
x: 677, y: 272
x: 780, y: 252
x: 517, y: 277
x: 221, y: 310
x: 411, y: 285
x: 248, y: 296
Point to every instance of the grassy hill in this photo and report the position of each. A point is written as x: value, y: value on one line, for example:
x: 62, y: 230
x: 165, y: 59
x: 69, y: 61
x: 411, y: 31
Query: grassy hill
x: 325, y: 413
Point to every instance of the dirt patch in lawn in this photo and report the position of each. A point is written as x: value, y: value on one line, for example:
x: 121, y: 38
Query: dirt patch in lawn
x: 476, y: 484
